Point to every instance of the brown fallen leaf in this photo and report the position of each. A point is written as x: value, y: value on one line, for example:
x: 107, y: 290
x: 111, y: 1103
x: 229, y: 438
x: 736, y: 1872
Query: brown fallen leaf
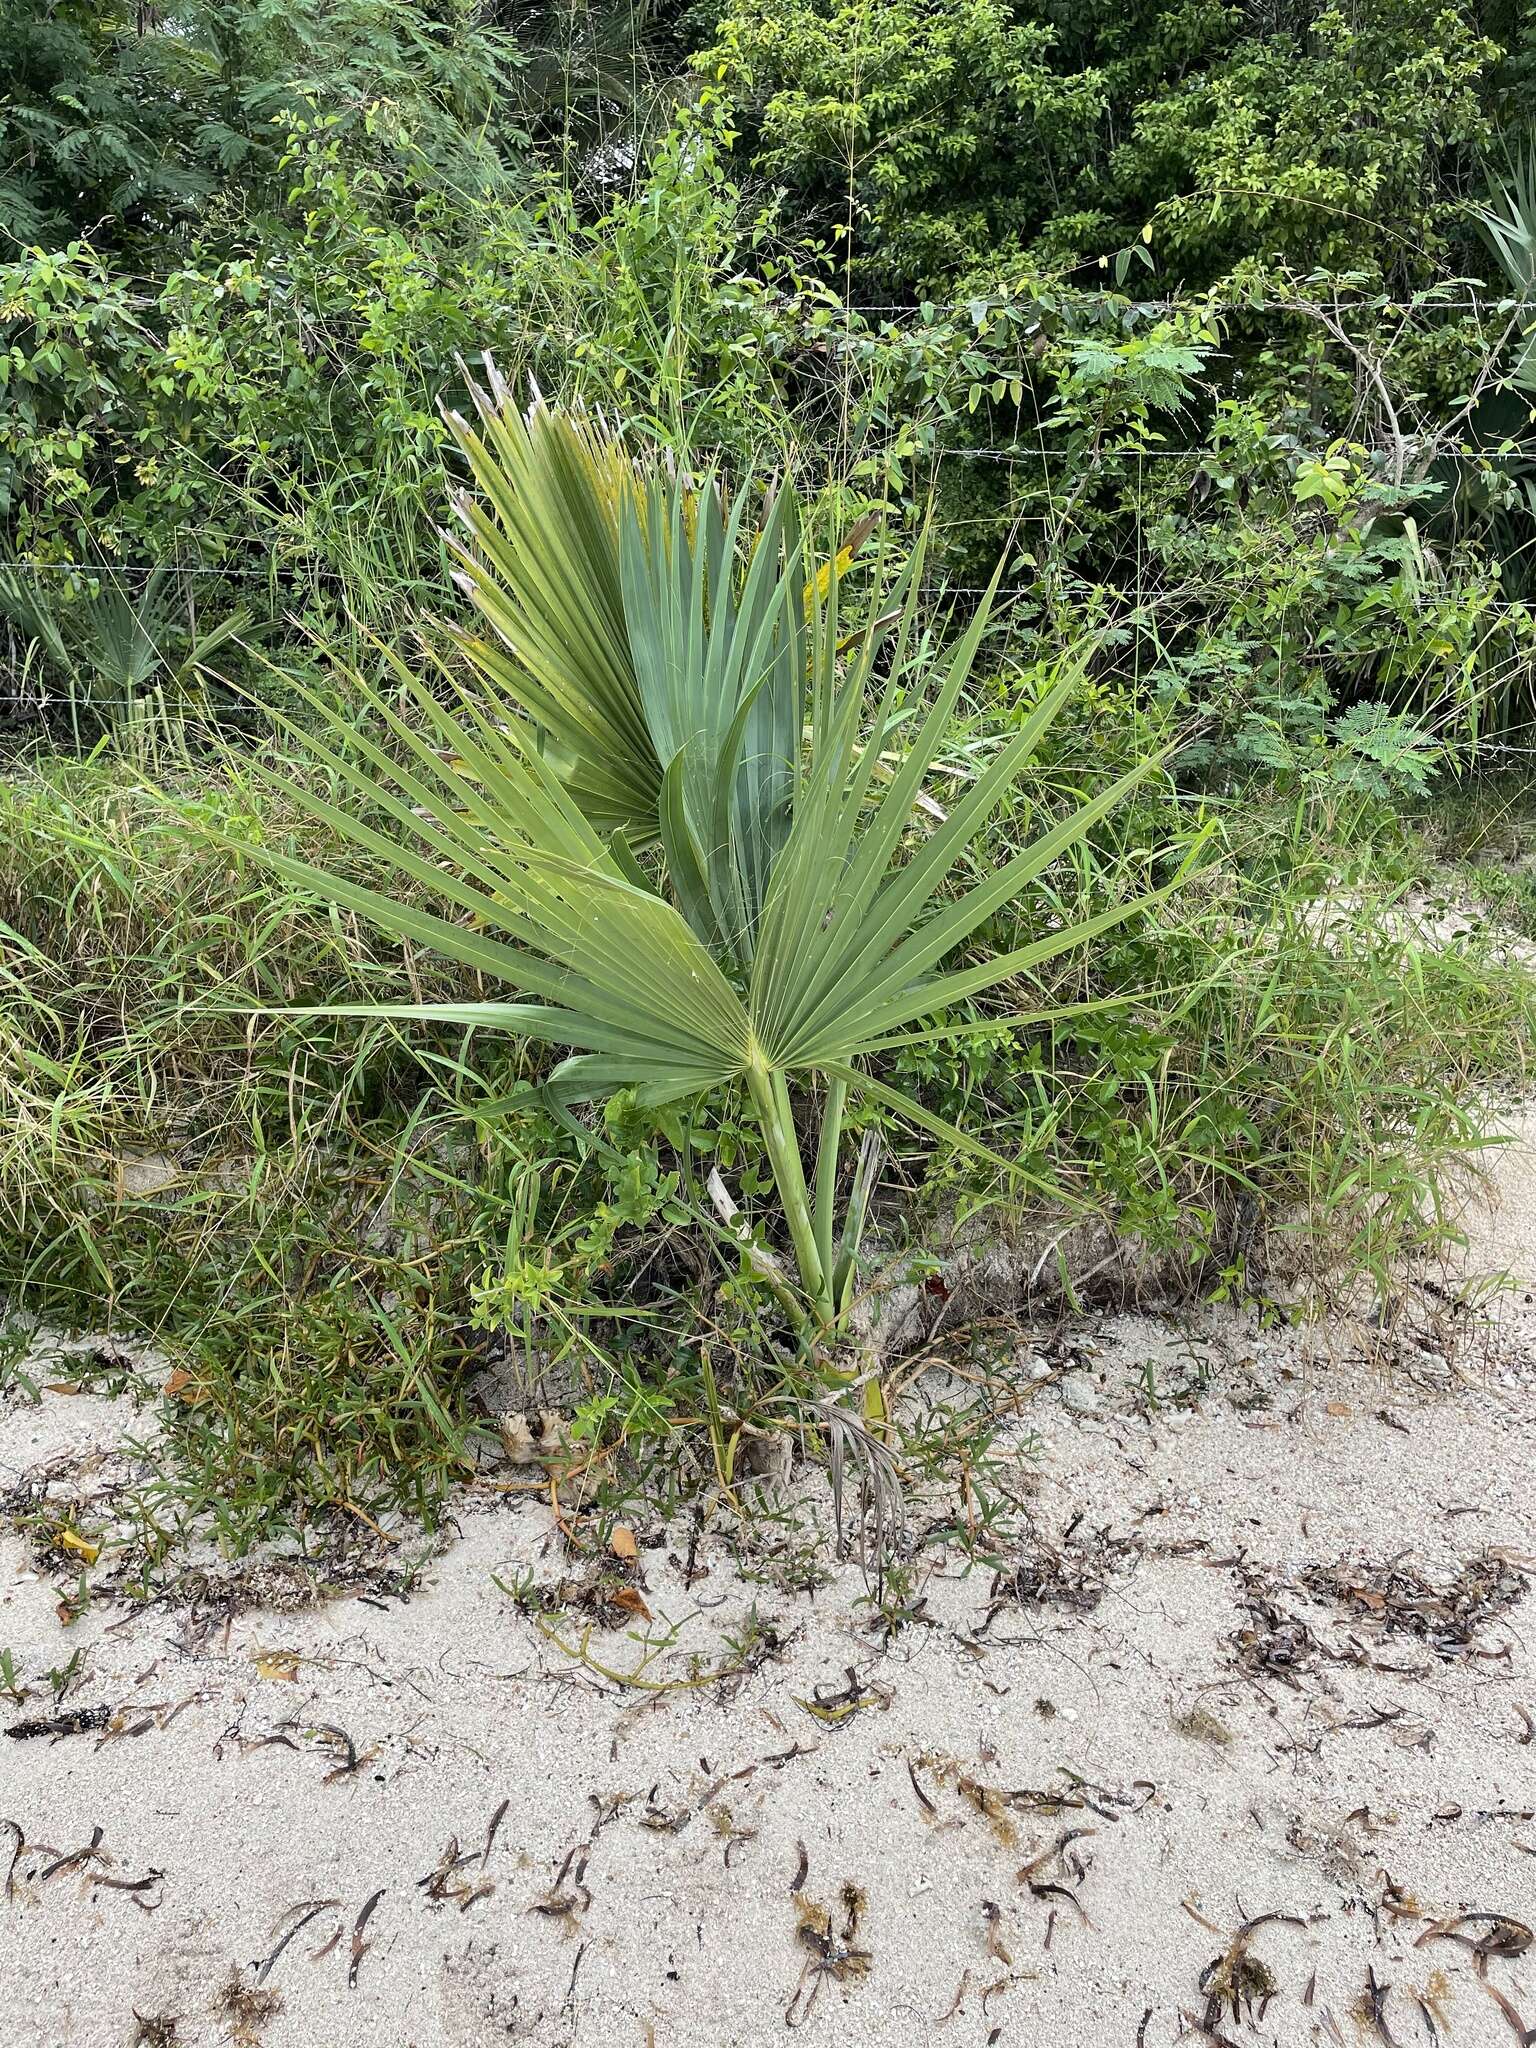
x: 1523, y: 2034
x: 283, y: 1664
x: 630, y: 1601
x: 622, y: 1543
x: 534, y: 1437
x: 182, y: 1386
x: 1339, y: 1408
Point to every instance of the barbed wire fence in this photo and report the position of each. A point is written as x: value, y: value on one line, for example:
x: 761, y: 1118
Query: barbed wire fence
x: 289, y: 574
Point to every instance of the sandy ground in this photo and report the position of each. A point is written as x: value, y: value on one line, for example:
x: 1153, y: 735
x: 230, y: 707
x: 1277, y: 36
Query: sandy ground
x: 1236, y: 1743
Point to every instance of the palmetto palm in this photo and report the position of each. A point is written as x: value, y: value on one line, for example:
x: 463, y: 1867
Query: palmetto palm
x: 650, y: 794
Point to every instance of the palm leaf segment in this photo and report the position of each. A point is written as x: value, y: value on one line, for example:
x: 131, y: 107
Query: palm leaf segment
x: 540, y: 562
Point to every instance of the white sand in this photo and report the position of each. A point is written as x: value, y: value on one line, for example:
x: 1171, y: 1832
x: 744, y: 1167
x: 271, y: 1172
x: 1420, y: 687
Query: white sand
x: 639, y: 1885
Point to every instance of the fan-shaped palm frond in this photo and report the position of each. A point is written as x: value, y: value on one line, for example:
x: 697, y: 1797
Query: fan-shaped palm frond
x: 646, y: 622
x: 541, y: 566
x: 1508, y: 222
x: 797, y: 925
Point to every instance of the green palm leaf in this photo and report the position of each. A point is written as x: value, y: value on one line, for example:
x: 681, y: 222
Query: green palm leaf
x: 540, y: 563
x: 641, y: 620
x: 797, y: 922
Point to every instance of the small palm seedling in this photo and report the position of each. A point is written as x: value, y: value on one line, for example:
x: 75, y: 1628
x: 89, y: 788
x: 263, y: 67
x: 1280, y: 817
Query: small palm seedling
x: 107, y: 644
x: 660, y: 797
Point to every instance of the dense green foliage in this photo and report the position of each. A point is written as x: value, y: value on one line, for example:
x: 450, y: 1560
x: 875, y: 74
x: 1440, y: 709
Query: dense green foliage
x: 1291, y: 477
x: 1212, y: 325
x: 138, y: 128
x: 981, y: 142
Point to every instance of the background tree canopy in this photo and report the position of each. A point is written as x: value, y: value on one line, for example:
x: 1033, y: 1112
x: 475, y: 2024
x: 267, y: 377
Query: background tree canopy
x: 131, y: 123
x: 959, y: 145
x: 1213, y: 312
